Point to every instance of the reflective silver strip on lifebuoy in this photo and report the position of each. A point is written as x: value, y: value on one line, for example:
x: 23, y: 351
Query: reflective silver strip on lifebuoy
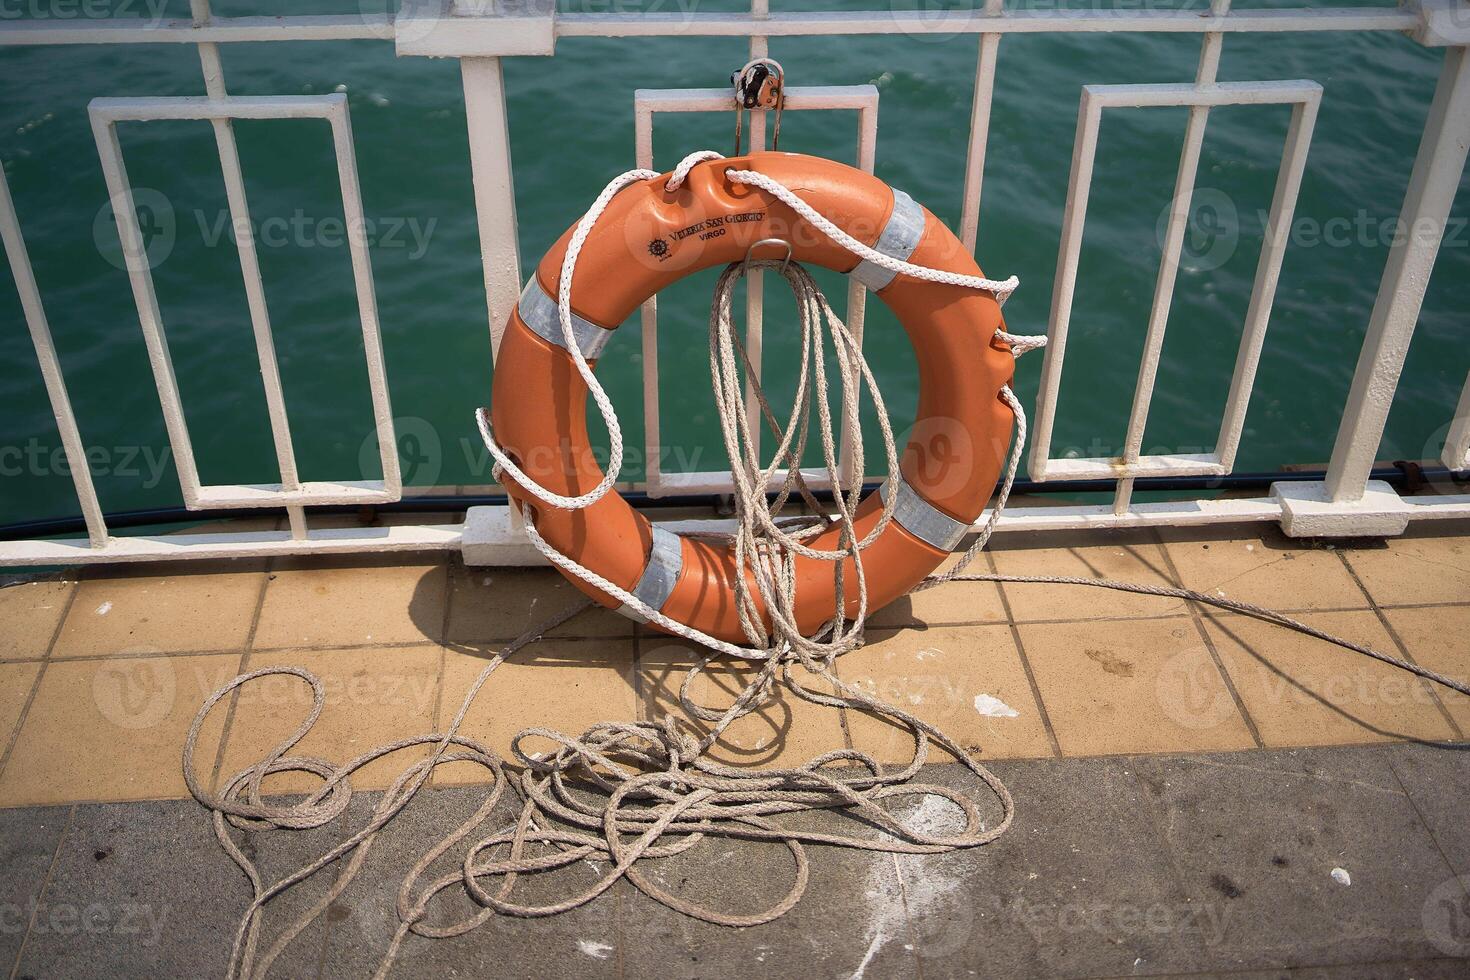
x: 538, y: 311
x: 665, y: 560
x: 899, y: 239
x: 922, y: 519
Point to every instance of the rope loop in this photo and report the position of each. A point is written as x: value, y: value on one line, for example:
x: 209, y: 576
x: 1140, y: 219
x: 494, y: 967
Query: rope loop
x: 626, y: 793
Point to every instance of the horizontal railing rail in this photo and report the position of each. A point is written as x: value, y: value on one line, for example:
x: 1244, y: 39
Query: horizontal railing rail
x: 1349, y: 497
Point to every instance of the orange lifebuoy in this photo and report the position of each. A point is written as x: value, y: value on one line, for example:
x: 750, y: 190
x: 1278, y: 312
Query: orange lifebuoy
x: 650, y: 236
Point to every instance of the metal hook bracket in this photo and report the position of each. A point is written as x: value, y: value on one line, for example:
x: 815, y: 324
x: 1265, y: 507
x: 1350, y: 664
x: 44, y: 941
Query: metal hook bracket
x: 761, y: 84
x: 785, y: 263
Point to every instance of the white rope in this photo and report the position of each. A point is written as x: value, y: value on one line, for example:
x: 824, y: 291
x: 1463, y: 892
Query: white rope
x: 604, y: 405
x: 661, y: 794
x: 1001, y: 288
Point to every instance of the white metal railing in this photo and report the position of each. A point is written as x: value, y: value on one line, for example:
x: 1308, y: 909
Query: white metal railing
x: 480, y: 33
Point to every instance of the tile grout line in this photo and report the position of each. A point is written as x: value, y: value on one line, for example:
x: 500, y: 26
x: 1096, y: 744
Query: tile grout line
x: 1005, y: 602
x: 438, y: 719
x: 1414, y: 804
x: 1199, y: 627
x: 240, y: 668
x: 41, y: 893
x: 1403, y: 647
x: 1157, y: 820
x: 449, y: 581
x: 14, y: 738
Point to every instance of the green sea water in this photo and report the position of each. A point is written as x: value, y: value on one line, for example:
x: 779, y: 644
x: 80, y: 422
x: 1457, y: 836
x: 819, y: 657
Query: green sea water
x: 571, y: 126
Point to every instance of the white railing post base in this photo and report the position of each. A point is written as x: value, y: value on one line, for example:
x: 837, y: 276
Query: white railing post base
x: 490, y: 537
x: 1308, y: 511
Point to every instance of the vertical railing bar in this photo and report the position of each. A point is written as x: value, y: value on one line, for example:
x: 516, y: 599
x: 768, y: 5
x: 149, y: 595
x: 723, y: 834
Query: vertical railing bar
x: 119, y: 190
x: 296, y: 520
x: 265, y: 347
x: 1456, y: 455
x: 1268, y: 274
x: 648, y: 317
x: 1122, y: 495
x: 985, y: 64
x: 270, y: 375
x: 1064, y: 286
x: 755, y: 296
x: 1438, y: 167
x: 857, y: 299
x: 1173, y: 245
x: 40, y: 330
x: 495, y: 201
x: 367, y: 301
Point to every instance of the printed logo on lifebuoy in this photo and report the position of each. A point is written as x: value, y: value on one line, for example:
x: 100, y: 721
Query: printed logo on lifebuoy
x: 681, y: 242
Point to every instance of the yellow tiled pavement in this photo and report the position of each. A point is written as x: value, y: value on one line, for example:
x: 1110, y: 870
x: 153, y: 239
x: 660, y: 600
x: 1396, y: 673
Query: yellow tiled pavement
x: 502, y: 603
x: 1438, y: 638
x: 952, y: 604
x: 1261, y: 566
x: 155, y: 609
x: 112, y: 728
x: 562, y: 685
x: 1144, y: 685
x: 1301, y: 691
x: 344, y: 601
x: 1428, y: 564
x: 1128, y: 556
x: 969, y: 681
x: 15, y: 688
x: 372, y: 696
x: 101, y: 676
x: 29, y: 615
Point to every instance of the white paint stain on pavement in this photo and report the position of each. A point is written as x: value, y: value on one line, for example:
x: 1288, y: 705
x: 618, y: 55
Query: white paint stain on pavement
x: 599, y: 951
x: 868, y: 956
x: 993, y: 707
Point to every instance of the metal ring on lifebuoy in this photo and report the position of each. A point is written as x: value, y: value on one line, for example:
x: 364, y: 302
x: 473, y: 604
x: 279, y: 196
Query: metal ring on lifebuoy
x: 649, y: 237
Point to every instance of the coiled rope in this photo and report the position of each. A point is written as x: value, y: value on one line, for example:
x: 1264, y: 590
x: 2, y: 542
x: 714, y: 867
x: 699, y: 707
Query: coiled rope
x: 658, y: 793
